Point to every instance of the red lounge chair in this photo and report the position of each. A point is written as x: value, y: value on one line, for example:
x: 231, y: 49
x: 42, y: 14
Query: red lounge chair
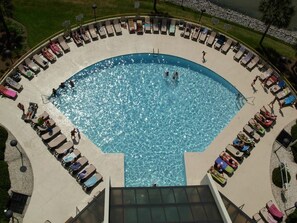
x: 263, y: 121
x: 274, y: 211
x: 268, y: 114
x: 229, y: 160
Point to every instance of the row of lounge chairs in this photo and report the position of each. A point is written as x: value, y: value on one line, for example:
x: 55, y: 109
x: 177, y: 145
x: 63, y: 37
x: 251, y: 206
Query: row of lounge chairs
x: 270, y: 213
x: 277, y: 87
x: 246, y: 58
x: 241, y: 146
x: 78, y: 166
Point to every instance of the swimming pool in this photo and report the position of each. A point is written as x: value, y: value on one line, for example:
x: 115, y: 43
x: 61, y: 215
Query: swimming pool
x: 126, y: 104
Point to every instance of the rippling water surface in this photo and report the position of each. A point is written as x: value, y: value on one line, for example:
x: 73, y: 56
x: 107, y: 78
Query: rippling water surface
x: 126, y: 104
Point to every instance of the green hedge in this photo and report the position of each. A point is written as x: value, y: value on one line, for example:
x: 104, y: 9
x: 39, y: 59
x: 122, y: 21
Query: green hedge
x: 294, y: 151
x: 292, y: 218
x: 277, y: 179
x: 4, y: 176
x: 294, y: 132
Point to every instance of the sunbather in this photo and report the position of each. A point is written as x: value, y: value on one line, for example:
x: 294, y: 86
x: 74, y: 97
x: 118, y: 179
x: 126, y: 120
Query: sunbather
x: 263, y: 121
x: 268, y: 114
x: 241, y: 146
x: 229, y: 160
x: 243, y: 137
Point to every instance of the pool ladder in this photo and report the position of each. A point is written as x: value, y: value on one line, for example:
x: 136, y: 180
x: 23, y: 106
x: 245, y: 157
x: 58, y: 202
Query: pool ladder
x: 154, y: 51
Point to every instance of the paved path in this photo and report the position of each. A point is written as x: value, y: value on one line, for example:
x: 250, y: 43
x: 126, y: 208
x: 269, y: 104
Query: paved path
x: 59, y: 194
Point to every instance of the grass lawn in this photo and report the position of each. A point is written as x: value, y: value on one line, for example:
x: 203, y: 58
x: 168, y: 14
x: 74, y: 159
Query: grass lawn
x: 44, y: 18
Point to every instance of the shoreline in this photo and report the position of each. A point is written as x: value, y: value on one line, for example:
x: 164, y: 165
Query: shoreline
x: 238, y: 18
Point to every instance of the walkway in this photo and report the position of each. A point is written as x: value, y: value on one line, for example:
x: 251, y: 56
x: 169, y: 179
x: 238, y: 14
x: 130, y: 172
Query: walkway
x: 59, y: 194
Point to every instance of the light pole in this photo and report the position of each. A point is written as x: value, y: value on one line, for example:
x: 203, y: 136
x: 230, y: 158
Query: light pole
x: 14, y: 143
x: 202, y: 11
x: 94, y: 7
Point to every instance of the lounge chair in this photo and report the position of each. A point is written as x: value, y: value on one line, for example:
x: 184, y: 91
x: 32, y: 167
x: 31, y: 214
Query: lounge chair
x: 239, y: 53
x: 203, y: 35
x: 33, y: 66
x: 147, y: 24
x: 84, y: 34
x: 155, y: 25
x: 268, y: 114
x: 16, y: 76
x: 131, y: 26
x: 41, y: 129
x: 278, y: 87
x: 57, y: 141
x: 258, y: 219
x: 78, y: 165
x: 32, y: 109
x: 13, y: 84
x: 43, y: 63
x: 253, y: 63
x: 221, y: 164
x: 244, y: 138
x: 247, y: 58
x: 65, y: 47
x: 92, y: 181
x: 85, y: 173
x: 238, y: 155
x: 44, y: 116
x: 76, y: 38
x: 70, y: 157
x: 211, y: 38
x: 195, y: 33
x: 181, y: 24
x: 274, y: 211
x: 270, y: 81
x: 48, y: 55
x: 251, y: 132
x: 92, y: 31
x: 241, y: 146
x: 51, y: 134
x: 8, y: 92
x: 172, y: 27
x: 217, y: 176
x: 187, y: 31
x: 288, y: 101
x: 101, y: 31
x: 63, y: 149
x: 139, y: 26
x: 227, y: 45
x: 55, y: 48
x: 229, y: 160
x: 25, y: 71
x: 256, y: 126
x: 117, y: 27
x: 220, y: 41
x: 284, y: 93
x: 266, y: 123
x: 164, y: 26
x: 267, y: 216
x: 264, y: 76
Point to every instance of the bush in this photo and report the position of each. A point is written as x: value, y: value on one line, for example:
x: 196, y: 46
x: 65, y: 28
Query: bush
x: 4, y: 174
x: 4, y: 198
x: 292, y: 218
x: 294, y: 132
x: 3, y: 134
x: 277, y: 178
x: 294, y: 151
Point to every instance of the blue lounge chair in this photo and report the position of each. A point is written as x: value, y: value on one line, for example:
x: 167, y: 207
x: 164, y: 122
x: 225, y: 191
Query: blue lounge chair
x: 245, y: 148
x: 221, y: 164
x: 92, y: 181
x: 290, y: 100
x: 78, y: 165
x: 70, y: 157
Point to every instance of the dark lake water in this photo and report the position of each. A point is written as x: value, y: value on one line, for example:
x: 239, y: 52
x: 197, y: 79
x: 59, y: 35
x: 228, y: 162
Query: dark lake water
x: 250, y: 7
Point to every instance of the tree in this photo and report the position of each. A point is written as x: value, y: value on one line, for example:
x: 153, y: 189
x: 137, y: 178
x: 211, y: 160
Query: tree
x: 5, y: 11
x: 277, y: 13
x: 155, y: 6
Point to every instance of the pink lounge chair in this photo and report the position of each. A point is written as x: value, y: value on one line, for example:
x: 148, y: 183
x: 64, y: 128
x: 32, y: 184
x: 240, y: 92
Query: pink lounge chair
x: 8, y: 92
x: 274, y: 211
x: 56, y: 49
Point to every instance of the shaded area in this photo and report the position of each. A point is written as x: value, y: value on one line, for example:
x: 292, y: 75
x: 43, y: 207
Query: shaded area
x: 284, y: 138
x: 18, y: 202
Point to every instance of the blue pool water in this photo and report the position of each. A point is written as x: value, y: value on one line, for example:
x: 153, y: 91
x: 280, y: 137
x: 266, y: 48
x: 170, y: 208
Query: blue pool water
x: 126, y: 104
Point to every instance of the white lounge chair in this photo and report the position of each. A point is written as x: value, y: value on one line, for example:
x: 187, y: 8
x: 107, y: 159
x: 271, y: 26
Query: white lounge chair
x: 203, y: 35
x: 33, y: 66
x: 155, y: 25
x: 117, y: 27
x: 211, y: 38
x: 195, y: 33
x: 131, y: 26
x: 147, y: 24
x: 253, y: 63
x: 65, y: 47
x: 101, y: 31
x: 239, y: 53
x: 247, y: 58
x: 172, y: 27
x: 227, y: 45
x: 13, y: 84
x: 164, y: 26
x: 109, y: 28
x: 41, y: 61
x: 92, y: 31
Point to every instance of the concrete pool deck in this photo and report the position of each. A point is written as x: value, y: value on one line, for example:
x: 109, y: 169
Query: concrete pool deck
x: 59, y: 194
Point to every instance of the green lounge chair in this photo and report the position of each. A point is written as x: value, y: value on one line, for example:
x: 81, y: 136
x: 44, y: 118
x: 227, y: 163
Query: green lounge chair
x: 219, y: 177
